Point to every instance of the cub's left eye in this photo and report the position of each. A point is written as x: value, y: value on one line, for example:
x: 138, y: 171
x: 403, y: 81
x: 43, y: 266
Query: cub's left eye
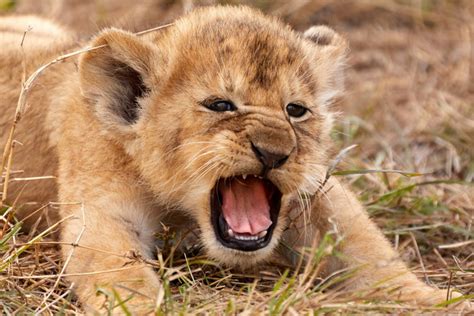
x: 221, y: 106
x: 296, y: 110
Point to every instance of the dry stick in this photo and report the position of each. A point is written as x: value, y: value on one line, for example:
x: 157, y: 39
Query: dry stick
x: 27, y: 85
x: 374, y: 306
x: 332, y: 166
x: 154, y: 29
x: 33, y: 178
x: 48, y: 205
x: 456, y: 245
x: 54, y: 243
x: 7, y: 174
x: 449, y: 285
x: 40, y: 312
x: 13, y: 172
x: 66, y: 263
x: 418, y: 254
x: 440, y: 258
x: 51, y: 276
x: 7, y: 218
x: 8, y: 151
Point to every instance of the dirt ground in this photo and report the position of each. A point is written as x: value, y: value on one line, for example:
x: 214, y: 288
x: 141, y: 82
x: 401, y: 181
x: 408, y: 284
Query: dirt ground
x: 409, y: 106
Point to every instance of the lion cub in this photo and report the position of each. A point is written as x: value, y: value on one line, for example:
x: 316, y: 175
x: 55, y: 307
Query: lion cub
x: 221, y: 119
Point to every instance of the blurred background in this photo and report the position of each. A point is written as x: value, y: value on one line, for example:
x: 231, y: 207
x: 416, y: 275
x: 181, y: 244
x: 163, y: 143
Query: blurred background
x: 409, y: 106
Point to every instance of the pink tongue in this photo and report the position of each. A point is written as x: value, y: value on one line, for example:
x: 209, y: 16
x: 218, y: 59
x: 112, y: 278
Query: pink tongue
x: 245, y: 206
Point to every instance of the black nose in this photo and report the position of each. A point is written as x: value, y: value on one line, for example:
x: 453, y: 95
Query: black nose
x: 269, y: 159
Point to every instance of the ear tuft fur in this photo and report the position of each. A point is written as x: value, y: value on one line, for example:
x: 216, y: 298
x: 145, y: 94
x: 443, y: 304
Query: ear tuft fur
x: 329, y: 51
x: 322, y: 35
x: 125, y: 102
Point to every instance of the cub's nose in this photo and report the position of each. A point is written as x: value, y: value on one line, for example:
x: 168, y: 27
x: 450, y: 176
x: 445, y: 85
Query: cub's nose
x: 269, y: 159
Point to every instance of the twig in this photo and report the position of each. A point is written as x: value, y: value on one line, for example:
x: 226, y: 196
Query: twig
x: 40, y: 312
x: 340, y: 156
x: 418, y: 254
x: 449, y: 285
x: 7, y: 174
x: 55, y: 243
x: 66, y: 263
x: 51, y: 276
x: 456, y: 245
x: 440, y: 258
x: 33, y: 178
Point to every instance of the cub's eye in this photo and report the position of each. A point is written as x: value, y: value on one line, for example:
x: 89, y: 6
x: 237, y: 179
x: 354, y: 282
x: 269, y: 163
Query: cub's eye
x: 296, y: 110
x: 221, y: 106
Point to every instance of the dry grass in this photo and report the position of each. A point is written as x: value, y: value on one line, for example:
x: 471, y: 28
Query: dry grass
x: 409, y: 106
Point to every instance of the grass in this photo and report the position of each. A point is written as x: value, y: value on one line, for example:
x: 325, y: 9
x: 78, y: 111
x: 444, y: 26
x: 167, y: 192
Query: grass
x: 410, y: 109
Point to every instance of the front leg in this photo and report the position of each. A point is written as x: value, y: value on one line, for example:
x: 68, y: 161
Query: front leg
x: 108, y: 225
x: 364, y: 248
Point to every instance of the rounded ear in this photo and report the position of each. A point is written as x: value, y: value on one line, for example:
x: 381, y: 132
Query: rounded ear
x: 115, y: 77
x: 329, y: 52
x: 324, y: 36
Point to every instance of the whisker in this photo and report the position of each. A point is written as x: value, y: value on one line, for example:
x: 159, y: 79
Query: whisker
x: 184, y: 145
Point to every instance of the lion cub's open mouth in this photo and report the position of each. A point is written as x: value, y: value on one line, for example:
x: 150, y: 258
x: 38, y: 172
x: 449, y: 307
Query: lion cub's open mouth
x: 244, y: 211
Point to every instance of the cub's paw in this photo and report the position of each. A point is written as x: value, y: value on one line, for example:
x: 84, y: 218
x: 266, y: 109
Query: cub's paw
x: 138, y: 291
x: 118, y: 300
x: 439, y: 298
x: 458, y: 303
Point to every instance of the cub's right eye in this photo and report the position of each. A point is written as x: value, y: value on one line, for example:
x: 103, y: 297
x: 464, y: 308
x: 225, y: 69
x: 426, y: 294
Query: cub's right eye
x: 221, y: 106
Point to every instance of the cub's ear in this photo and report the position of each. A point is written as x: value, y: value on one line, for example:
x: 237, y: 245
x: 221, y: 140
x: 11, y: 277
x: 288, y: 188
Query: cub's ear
x: 329, y: 52
x: 115, y: 77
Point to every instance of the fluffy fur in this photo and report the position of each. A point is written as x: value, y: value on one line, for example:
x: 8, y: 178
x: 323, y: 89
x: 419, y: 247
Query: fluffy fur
x: 131, y: 143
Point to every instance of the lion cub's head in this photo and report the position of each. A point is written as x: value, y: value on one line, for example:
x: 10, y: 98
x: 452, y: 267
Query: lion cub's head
x: 224, y: 114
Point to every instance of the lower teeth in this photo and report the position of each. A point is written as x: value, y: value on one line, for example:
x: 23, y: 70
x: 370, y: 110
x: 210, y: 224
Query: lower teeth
x: 246, y: 237
x: 231, y: 234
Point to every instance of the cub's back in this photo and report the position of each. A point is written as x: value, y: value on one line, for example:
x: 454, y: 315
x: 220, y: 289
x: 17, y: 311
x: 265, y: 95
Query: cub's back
x: 27, y: 42
x: 29, y: 38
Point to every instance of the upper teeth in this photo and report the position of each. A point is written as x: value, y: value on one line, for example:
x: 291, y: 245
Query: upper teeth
x: 244, y: 176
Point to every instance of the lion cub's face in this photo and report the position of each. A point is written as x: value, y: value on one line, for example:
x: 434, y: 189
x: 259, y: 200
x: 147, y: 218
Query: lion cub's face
x: 225, y: 116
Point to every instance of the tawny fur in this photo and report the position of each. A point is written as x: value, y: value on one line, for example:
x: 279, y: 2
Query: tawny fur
x: 126, y: 168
